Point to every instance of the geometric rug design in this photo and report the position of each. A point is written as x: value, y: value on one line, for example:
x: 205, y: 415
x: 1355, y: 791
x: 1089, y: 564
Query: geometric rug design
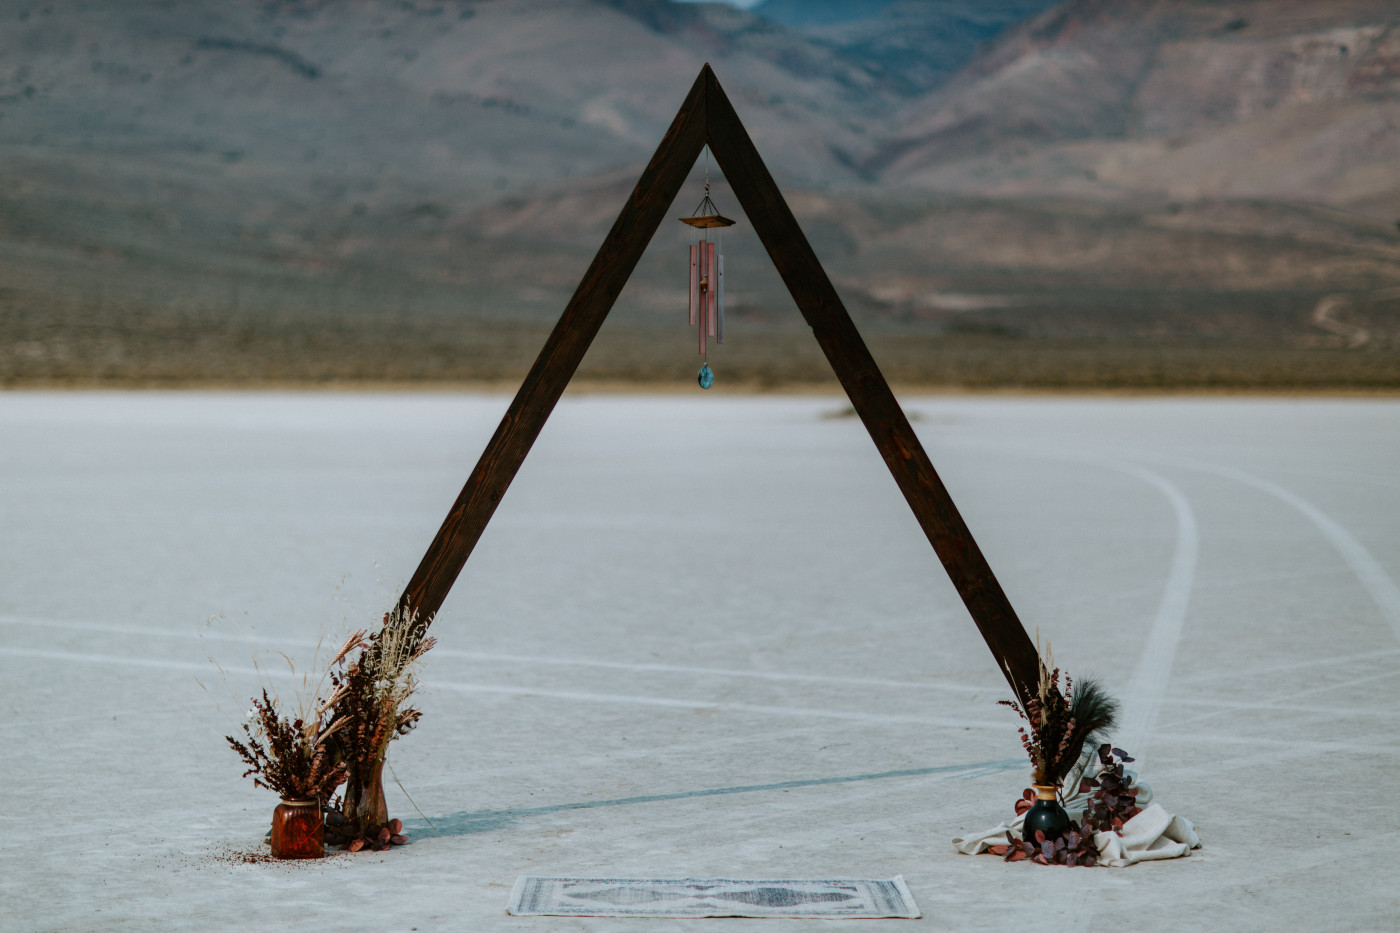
x: 852, y: 899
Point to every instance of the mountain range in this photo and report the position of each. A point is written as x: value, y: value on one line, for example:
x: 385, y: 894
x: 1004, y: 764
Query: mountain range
x: 276, y: 189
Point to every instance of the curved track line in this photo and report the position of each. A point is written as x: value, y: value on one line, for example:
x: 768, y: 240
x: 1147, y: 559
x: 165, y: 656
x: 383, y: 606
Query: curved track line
x: 1313, y: 663
x: 1148, y: 687
x: 710, y: 671
x: 710, y: 706
x: 110, y: 660
x: 523, y: 659
x: 573, y: 696
x: 1323, y: 316
x: 1373, y: 577
x: 1234, y: 709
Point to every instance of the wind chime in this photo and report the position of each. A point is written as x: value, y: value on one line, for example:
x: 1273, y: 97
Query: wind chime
x: 707, y: 279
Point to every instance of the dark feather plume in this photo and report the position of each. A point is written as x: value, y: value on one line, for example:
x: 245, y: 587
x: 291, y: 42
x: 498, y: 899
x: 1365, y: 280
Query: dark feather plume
x: 1060, y: 720
x: 1094, y: 714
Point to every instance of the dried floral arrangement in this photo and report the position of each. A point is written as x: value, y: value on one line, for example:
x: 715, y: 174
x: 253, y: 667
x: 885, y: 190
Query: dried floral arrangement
x: 371, y: 694
x: 1113, y: 803
x: 1062, y: 719
x: 343, y: 741
x: 290, y: 757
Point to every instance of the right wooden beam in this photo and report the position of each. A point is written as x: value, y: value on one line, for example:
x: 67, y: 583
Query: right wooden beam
x: 859, y: 375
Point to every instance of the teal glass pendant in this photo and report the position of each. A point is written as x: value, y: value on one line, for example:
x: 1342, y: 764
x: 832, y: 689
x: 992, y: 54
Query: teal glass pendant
x: 706, y: 377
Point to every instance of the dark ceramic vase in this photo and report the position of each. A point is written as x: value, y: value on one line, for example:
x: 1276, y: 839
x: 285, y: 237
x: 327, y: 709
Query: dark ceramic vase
x: 298, y: 830
x: 1045, y: 815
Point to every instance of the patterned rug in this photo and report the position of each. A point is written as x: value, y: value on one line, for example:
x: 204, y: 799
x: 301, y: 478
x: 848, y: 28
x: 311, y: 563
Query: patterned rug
x: 853, y: 899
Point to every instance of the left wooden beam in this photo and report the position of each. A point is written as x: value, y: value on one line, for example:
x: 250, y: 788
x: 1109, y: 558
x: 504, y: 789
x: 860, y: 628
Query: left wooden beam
x: 560, y: 358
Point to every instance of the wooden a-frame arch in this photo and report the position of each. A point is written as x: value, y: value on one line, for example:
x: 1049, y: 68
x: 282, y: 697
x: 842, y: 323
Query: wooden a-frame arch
x: 707, y: 118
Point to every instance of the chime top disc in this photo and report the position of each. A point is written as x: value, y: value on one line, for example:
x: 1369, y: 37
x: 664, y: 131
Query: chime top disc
x: 709, y: 220
x: 707, y: 215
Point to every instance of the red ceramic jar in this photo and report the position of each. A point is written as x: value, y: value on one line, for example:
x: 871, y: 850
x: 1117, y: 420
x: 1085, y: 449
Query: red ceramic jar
x: 298, y: 830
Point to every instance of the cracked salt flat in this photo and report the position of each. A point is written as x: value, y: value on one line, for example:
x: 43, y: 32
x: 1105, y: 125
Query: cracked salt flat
x: 701, y: 637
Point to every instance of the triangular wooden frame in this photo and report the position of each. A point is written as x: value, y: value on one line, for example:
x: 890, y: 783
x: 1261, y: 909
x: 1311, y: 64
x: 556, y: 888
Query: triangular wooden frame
x: 707, y: 117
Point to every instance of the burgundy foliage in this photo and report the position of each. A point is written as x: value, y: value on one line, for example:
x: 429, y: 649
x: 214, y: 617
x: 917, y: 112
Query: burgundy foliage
x: 1113, y: 803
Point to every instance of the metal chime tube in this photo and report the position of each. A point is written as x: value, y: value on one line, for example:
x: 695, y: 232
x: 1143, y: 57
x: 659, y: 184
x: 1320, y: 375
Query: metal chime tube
x: 704, y: 296
x: 694, y: 283
x: 706, y: 293
x: 712, y: 292
x: 719, y: 302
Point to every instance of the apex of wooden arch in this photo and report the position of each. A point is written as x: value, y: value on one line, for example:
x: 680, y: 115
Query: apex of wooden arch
x: 707, y: 118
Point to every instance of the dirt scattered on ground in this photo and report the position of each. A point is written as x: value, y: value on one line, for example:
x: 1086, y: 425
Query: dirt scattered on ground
x: 259, y: 856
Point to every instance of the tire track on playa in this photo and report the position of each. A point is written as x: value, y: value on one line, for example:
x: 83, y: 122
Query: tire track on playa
x: 275, y: 672
x: 497, y: 657
x: 1374, y: 578
x: 708, y: 706
x: 1147, y: 686
x: 1370, y: 574
x: 1311, y: 663
x: 1324, y: 316
x: 1142, y: 702
x: 936, y: 774
x: 573, y: 696
x: 1215, y: 709
x: 1147, y: 690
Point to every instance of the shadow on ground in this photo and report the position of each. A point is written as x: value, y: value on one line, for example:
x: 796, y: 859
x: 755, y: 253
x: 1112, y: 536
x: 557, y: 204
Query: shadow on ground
x: 467, y: 822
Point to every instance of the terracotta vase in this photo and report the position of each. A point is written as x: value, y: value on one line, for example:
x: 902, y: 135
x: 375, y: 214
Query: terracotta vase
x: 298, y: 830
x: 1045, y: 815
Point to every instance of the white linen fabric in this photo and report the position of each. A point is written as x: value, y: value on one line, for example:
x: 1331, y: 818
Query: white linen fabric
x: 1152, y: 834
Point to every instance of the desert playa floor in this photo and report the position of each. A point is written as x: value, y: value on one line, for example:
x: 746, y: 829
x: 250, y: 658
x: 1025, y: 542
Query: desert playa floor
x: 702, y: 636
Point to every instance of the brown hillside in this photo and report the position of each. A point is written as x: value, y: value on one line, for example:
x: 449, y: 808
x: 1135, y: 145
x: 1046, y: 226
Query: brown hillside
x: 1285, y: 99
x: 283, y: 190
